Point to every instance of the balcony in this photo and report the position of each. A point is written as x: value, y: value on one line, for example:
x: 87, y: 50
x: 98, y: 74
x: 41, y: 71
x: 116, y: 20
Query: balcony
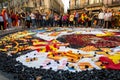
x: 114, y: 3
x: 94, y: 5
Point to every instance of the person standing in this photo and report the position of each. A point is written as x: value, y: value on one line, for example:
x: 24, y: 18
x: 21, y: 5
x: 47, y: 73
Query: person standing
x: 76, y: 16
x: 28, y: 20
x: 40, y: 20
x: 101, y: 18
x: 107, y: 19
x: 22, y: 16
x: 64, y: 20
x: 1, y: 22
x: 47, y: 19
x: 84, y: 17
x: 51, y: 19
x: 67, y: 20
x: 33, y: 19
x: 5, y: 17
x: 44, y: 19
x: 17, y: 19
x: 37, y: 14
x: 60, y: 20
x: 13, y: 17
x: 9, y: 21
x: 89, y: 18
x: 55, y: 19
x: 71, y: 19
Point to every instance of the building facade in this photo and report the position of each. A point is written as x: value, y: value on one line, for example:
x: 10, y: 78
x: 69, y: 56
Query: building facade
x: 71, y: 4
x: 83, y: 3
x: 56, y: 6
x: 15, y: 5
x: 95, y: 5
x: 74, y: 4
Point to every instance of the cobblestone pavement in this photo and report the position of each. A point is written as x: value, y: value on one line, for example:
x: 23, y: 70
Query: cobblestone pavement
x: 5, y: 76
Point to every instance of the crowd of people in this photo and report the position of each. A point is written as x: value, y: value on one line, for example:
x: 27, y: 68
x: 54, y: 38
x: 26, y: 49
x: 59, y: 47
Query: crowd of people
x: 107, y: 18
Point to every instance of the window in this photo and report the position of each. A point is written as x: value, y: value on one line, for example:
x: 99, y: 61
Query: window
x: 101, y: 1
x: 96, y: 1
x: 91, y: 1
x: 116, y: 1
x: 42, y: 2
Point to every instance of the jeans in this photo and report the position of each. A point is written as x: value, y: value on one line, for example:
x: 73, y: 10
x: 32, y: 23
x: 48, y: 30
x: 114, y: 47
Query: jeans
x: 33, y: 22
x: 101, y: 22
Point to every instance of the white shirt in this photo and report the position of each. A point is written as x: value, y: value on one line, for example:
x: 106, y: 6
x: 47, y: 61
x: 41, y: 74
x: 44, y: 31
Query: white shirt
x: 101, y: 15
x: 32, y: 16
x: 6, y: 16
x: 108, y: 16
x: 1, y: 19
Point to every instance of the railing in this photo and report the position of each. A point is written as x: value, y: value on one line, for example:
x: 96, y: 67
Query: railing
x: 116, y: 2
x: 94, y: 5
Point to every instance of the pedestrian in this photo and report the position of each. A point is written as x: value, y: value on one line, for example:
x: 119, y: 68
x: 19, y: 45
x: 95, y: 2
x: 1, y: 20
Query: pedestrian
x: 64, y: 20
x: 40, y: 20
x: 22, y: 16
x: 51, y: 19
x: 44, y: 19
x: 13, y: 17
x: 107, y: 19
x: 47, y: 19
x: 95, y: 21
x: 84, y: 18
x: 89, y: 18
x: 60, y: 20
x: 71, y: 19
x: 76, y: 16
x: 28, y: 19
x: 17, y: 19
x: 33, y: 19
x: 55, y: 19
x: 5, y: 17
x: 37, y: 14
x: 101, y: 18
x: 9, y: 21
x: 1, y: 22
